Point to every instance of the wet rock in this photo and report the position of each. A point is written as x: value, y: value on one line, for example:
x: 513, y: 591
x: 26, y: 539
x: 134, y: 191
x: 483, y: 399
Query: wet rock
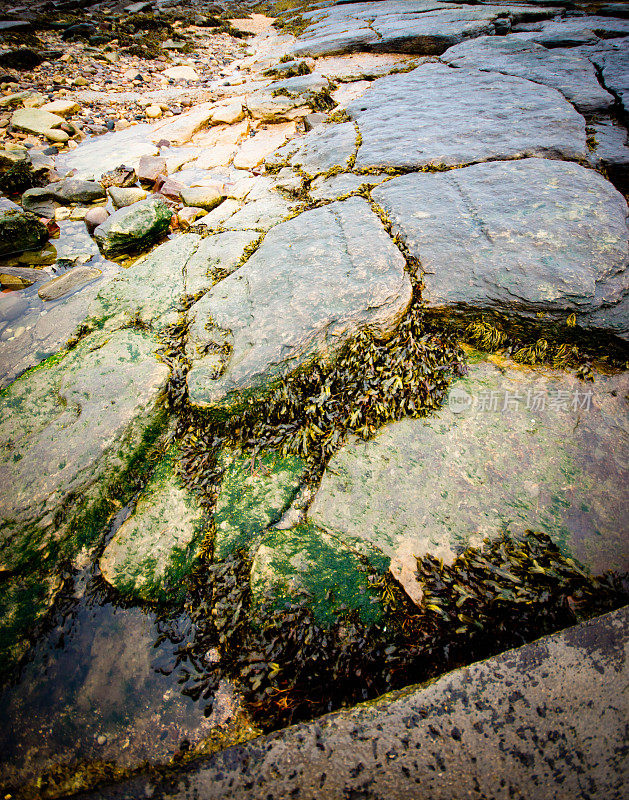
x: 69, y: 431
x: 159, y: 544
x: 35, y: 120
x: 307, y: 562
x: 19, y: 231
x: 611, y: 152
x: 283, y: 307
x: 572, y: 75
x: 342, y: 185
x: 436, y: 115
x: 207, y: 197
x: 255, y: 492
x: 40, y: 202
x: 521, y: 237
x: 122, y: 197
x: 260, y: 215
x: 284, y: 100
x: 516, y: 448
x: 215, y: 258
x: 68, y: 282
x: 95, y: 217
x: 131, y: 229
x: 324, y: 148
x: 77, y: 191
x: 613, y: 61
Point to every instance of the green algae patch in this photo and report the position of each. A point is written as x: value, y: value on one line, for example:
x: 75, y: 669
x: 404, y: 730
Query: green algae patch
x: 160, y: 543
x: 255, y: 491
x: 74, y: 438
x: 306, y: 563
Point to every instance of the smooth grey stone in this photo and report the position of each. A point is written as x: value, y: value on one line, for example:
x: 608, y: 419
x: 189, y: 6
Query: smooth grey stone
x: 68, y: 282
x: 574, y: 76
x: 40, y: 202
x: 324, y: 148
x: 522, y: 237
x: 315, y: 281
x: 73, y: 190
x: 439, y: 116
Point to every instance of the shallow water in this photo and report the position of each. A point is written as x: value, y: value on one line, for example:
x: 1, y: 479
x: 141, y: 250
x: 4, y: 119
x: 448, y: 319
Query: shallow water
x: 103, y: 684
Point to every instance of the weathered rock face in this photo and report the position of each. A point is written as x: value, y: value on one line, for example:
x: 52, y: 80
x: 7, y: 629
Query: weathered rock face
x: 515, y: 448
x: 255, y: 492
x: 159, y: 544
x: 574, y: 76
x: 519, y: 236
x: 154, y: 285
x: 613, y: 61
x: 309, y: 560
x: 284, y: 306
x: 282, y: 100
x: 571, y: 31
x: 20, y: 231
x: 436, y: 115
x: 325, y: 147
x: 424, y: 28
x: 69, y: 431
x: 134, y: 227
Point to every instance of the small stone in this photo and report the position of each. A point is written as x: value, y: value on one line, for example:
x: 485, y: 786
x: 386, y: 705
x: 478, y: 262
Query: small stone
x: 40, y: 202
x: 207, y: 197
x: 64, y: 284
x: 312, y: 120
x: 59, y: 136
x: 122, y: 197
x: 150, y: 168
x: 153, y: 112
x: 188, y: 215
x: 182, y: 73
x: 95, y: 217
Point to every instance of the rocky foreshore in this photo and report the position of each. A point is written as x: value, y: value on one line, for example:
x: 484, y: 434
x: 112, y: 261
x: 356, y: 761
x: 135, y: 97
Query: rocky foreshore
x: 302, y: 311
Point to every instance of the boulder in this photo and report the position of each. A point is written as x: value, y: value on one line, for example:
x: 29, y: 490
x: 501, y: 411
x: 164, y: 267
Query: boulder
x: 207, y: 197
x: 439, y: 116
x: 73, y: 190
x: 39, y: 201
x: 19, y: 231
x: 284, y: 307
x: 521, y: 237
x: 68, y: 282
x: 134, y: 228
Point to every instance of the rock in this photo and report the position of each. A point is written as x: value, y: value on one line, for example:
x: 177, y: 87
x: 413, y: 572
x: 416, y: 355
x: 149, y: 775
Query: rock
x: 159, y: 544
x: 342, y: 185
x: 39, y: 202
x: 516, y: 448
x: 228, y: 114
x: 180, y: 129
x: 61, y: 137
x: 34, y: 120
x: 306, y: 562
x: 254, y: 150
x: 150, y: 168
x: 21, y: 58
x: 63, y: 108
x: 522, y: 237
x: 574, y: 31
x: 68, y: 282
x: 613, y: 63
x: 19, y: 231
x: 570, y: 74
x: 152, y: 288
x: 80, y: 29
x: 182, y: 73
x: 77, y: 191
x: 207, y: 197
x: 436, y: 115
x: 611, y: 152
x: 284, y: 100
x: 220, y: 214
x: 153, y: 111
x: 254, y: 493
x: 95, y: 217
x: 187, y: 216
x: 313, y: 120
x: 324, y: 148
x: 70, y: 431
x: 106, y: 153
x: 122, y: 197
x: 260, y: 215
x: 9, y: 158
x: 134, y: 228
x: 283, y: 308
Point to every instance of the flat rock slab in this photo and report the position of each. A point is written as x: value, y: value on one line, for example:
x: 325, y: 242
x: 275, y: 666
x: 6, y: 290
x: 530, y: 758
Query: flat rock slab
x: 573, y: 75
x: 255, y: 492
x: 540, y: 721
x: 439, y: 116
x: 574, y: 31
x: 282, y: 99
x: 614, y: 65
x: 105, y: 153
x: 152, y: 288
x: 518, y: 236
x: 515, y: 448
x: 324, y: 148
x: 69, y: 430
x: 35, y: 120
x: 159, y: 544
x: 305, y: 561
x: 283, y: 308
